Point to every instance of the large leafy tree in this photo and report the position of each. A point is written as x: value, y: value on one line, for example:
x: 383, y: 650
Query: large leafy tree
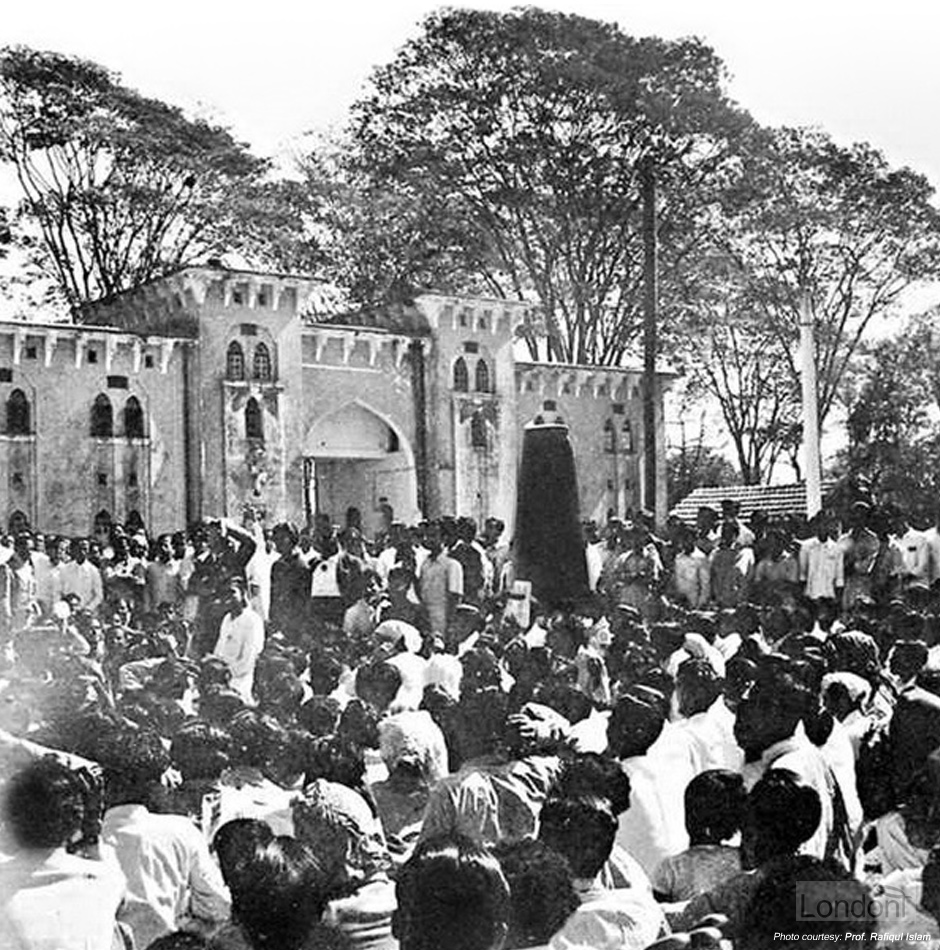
x: 118, y: 188
x: 893, y: 407
x: 527, y: 133
x: 805, y: 216
x: 381, y: 241
x: 733, y: 361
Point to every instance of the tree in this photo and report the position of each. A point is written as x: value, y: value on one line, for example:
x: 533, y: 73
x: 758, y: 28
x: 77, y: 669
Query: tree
x: 6, y: 234
x: 120, y: 188
x: 532, y: 129
x: 696, y: 466
x: 894, y: 435
x: 806, y: 216
x: 733, y: 360
x: 379, y: 240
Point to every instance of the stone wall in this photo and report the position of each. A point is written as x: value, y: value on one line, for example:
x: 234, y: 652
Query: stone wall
x: 59, y: 474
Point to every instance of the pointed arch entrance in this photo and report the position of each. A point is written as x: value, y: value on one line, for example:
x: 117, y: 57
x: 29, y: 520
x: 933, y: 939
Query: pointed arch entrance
x: 356, y: 456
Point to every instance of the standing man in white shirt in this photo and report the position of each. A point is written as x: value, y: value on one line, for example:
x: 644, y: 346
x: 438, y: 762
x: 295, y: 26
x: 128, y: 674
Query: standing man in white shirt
x: 241, y: 640
x: 48, y: 566
x: 915, y: 554
x: 81, y: 578
x: 822, y: 570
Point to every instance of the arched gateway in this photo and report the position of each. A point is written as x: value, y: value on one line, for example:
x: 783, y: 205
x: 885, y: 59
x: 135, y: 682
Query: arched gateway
x: 355, y: 456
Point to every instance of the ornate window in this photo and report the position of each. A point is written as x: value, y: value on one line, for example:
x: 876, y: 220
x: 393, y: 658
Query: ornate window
x: 254, y: 425
x: 626, y: 437
x: 235, y: 361
x: 18, y: 413
x: 482, y: 377
x: 261, y: 363
x: 461, y: 376
x: 133, y: 419
x: 102, y: 418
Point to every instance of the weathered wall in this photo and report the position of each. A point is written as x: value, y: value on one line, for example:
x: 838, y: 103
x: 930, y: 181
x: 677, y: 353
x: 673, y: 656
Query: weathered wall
x: 60, y: 475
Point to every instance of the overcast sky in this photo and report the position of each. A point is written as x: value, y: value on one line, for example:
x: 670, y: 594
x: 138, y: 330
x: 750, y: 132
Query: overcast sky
x: 273, y: 70
x: 862, y: 70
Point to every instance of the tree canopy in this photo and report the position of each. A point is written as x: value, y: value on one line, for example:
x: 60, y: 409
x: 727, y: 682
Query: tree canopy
x: 796, y: 214
x: 531, y: 130
x: 120, y: 188
x: 893, y: 421
x: 805, y: 215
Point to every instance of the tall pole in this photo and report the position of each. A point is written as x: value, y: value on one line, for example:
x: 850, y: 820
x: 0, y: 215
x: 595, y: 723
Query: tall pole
x: 650, y: 342
x: 810, y: 407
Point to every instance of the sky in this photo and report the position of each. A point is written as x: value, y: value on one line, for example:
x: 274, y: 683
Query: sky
x: 274, y: 71
x: 862, y: 70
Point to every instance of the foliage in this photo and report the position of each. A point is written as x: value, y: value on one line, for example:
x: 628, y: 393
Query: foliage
x: 807, y: 216
x: 119, y: 188
x: 523, y: 137
x: 796, y: 213
x: 380, y: 240
x: 6, y: 234
x: 696, y: 466
x: 734, y: 360
x: 894, y: 418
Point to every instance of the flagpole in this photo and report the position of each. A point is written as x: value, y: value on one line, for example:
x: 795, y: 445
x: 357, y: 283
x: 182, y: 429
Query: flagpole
x: 811, y: 459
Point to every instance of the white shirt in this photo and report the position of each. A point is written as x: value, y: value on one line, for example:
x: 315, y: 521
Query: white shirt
x: 821, y: 567
x: 48, y: 579
x: 691, y: 573
x: 932, y: 536
x: 710, y: 735
x: 594, y: 557
x: 323, y: 580
x: 83, y: 580
x: 58, y: 901
x: 611, y: 919
x: 653, y: 827
x: 258, y: 573
x: 799, y: 755
x: 915, y: 557
x: 414, y: 677
x: 170, y: 874
x: 241, y: 640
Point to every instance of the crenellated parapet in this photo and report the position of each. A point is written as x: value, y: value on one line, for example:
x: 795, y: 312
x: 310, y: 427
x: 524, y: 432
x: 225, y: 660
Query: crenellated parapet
x: 335, y: 346
x: 172, y: 304
x: 554, y: 380
x: 44, y: 345
x: 493, y: 316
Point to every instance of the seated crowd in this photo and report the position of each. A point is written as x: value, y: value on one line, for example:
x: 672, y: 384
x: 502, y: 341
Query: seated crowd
x: 242, y: 739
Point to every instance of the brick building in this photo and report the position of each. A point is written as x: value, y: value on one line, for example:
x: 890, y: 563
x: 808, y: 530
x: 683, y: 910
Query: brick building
x: 213, y: 389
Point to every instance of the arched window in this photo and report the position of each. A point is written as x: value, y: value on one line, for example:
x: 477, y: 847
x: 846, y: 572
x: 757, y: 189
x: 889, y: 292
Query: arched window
x: 102, y: 418
x: 478, y: 436
x: 235, y: 361
x: 18, y: 413
x: 609, y: 436
x: 461, y: 376
x: 133, y: 419
x: 482, y: 377
x: 626, y: 439
x: 261, y: 363
x: 254, y: 427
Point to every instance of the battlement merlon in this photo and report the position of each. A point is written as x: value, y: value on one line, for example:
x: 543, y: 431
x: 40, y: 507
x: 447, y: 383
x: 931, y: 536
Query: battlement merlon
x: 171, y: 304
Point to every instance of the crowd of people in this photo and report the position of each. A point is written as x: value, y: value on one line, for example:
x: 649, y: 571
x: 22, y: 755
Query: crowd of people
x: 238, y: 737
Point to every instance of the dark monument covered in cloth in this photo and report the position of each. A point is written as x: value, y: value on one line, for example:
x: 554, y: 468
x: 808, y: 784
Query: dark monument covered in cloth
x: 548, y: 546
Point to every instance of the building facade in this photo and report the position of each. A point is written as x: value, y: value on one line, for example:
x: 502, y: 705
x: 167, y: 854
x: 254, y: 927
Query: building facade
x: 215, y: 389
